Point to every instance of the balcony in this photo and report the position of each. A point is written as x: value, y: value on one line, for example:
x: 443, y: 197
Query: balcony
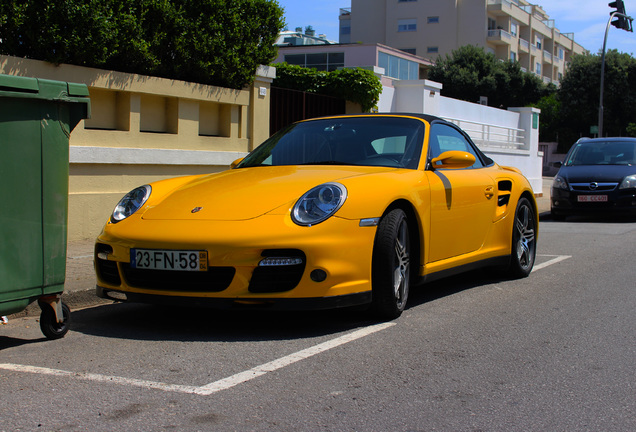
x: 345, y: 11
x: 524, y: 46
x: 547, y: 57
x: 509, y: 8
x: 499, y: 37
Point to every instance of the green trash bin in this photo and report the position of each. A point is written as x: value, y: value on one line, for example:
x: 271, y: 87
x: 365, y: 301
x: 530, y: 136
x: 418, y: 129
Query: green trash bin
x: 36, y: 119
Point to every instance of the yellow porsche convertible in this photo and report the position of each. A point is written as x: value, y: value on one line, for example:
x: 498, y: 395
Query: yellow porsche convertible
x: 331, y: 212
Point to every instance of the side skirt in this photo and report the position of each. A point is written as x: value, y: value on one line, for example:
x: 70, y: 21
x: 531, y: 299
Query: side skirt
x: 502, y: 261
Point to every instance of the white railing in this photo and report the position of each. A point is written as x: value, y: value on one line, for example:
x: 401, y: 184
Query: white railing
x: 499, y: 34
x: 487, y: 135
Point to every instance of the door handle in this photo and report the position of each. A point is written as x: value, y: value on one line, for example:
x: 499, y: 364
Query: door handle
x: 489, y: 192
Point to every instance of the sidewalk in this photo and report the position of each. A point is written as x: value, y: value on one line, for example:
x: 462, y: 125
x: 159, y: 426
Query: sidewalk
x: 79, y: 288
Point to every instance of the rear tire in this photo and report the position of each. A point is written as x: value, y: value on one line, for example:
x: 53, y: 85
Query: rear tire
x: 391, y: 271
x: 524, y: 244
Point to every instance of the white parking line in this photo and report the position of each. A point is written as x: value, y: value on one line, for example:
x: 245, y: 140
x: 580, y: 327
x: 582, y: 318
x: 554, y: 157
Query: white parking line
x: 213, y: 387
x: 556, y: 259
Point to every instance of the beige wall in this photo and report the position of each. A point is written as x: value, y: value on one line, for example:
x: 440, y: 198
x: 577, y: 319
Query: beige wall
x: 463, y: 22
x: 144, y: 129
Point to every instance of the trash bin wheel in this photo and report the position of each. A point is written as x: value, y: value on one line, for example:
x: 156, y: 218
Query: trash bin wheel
x: 49, y: 325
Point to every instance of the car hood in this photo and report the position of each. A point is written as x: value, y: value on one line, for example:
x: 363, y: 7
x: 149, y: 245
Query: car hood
x: 246, y: 193
x: 596, y: 173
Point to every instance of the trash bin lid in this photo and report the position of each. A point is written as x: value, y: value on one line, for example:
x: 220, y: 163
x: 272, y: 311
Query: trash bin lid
x: 19, y: 86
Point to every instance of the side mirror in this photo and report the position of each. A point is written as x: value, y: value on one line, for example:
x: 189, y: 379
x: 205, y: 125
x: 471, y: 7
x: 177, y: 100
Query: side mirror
x: 236, y: 162
x: 558, y: 164
x: 453, y: 159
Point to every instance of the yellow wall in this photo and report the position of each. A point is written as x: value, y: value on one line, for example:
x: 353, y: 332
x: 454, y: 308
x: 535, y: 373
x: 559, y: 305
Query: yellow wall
x: 145, y: 128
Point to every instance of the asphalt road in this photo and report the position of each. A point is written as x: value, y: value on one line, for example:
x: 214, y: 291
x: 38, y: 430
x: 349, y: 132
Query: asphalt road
x: 554, y: 351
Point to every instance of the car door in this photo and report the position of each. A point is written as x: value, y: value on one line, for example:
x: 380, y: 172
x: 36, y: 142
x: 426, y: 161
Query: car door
x: 462, y: 200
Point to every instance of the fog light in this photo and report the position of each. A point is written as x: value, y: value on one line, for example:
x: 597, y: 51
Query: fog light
x: 318, y: 275
x: 280, y: 261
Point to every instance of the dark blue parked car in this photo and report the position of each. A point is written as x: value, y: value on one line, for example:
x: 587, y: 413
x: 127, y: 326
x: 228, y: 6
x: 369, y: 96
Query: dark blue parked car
x: 598, y: 176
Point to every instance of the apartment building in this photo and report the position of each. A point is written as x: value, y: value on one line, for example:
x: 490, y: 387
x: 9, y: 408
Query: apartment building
x: 510, y: 29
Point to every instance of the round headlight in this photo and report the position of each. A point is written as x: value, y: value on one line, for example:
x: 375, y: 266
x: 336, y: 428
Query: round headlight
x: 319, y: 204
x: 629, y: 182
x: 559, y: 183
x: 130, y: 203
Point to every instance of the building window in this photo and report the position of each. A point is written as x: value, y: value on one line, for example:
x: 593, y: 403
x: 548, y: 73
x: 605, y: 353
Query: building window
x: 396, y: 67
x: 407, y: 25
x: 319, y: 61
x: 406, y: 1
x: 538, y: 69
x: 432, y: 50
x: 561, y: 53
x: 538, y: 42
x: 513, y: 28
x: 560, y: 76
x: 409, y: 50
x: 432, y: 20
x: 492, y: 24
x: 513, y: 56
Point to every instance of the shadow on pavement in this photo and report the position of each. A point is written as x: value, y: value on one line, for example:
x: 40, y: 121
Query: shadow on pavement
x: 150, y: 322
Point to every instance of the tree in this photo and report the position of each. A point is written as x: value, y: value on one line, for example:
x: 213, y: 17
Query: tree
x: 580, y: 93
x: 550, y: 118
x: 217, y: 42
x: 469, y: 72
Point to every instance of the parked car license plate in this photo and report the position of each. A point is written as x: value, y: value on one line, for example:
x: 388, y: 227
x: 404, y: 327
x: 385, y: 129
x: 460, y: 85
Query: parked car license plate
x: 158, y: 259
x: 592, y: 198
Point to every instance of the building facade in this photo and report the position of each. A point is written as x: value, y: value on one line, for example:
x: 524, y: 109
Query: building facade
x: 510, y: 29
x: 395, y: 64
x: 144, y: 129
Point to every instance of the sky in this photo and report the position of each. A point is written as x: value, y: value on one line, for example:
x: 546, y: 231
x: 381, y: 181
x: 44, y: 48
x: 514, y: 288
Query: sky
x: 587, y: 19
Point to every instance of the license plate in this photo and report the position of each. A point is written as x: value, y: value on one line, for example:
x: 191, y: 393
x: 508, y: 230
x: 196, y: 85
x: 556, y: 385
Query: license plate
x: 592, y: 198
x: 158, y: 259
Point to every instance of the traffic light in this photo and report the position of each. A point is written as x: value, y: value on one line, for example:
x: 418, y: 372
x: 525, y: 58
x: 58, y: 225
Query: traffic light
x: 621, y: 21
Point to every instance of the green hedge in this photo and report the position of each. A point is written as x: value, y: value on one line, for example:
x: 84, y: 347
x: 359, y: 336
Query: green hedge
x: 355, y: 85
x: 216, y: 42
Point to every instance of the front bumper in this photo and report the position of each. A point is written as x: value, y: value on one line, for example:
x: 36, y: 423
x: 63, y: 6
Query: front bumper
x: 336, y: 267
x: 317, y: 303
x: 566, y: 202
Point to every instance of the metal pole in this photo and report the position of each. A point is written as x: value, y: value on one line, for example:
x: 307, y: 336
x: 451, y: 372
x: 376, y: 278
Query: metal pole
x: 600, y: 104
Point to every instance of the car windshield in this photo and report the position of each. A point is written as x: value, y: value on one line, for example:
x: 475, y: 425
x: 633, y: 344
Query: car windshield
x: 603, y: 153
x: 365, y: 141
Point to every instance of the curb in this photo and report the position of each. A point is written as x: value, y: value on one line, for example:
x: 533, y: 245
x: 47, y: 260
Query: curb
x: 73, y: 299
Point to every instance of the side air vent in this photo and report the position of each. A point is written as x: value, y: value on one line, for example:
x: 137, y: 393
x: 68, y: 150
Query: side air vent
x: 504, y: 188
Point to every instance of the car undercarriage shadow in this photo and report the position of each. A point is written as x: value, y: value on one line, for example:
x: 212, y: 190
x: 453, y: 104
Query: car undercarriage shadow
x: 151, y: 322
x: 595, y: 218
x: 452, y: 285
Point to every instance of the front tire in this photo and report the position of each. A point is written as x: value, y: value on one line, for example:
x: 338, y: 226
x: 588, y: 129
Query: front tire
x: 524, y: 244
x: 391, y: 270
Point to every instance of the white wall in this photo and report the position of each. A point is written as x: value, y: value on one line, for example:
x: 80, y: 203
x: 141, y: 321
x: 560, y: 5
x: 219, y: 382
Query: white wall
x: 510, y: 137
